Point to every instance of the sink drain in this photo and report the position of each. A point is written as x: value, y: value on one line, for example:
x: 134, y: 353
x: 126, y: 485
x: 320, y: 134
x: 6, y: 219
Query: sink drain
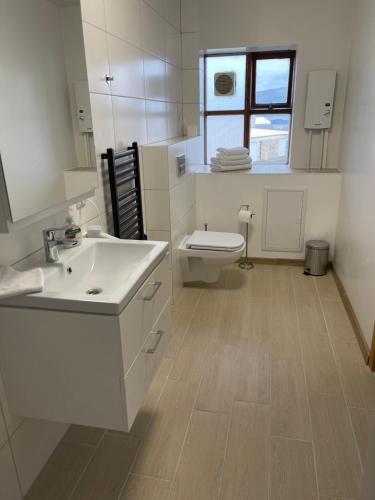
x: 94, y: 291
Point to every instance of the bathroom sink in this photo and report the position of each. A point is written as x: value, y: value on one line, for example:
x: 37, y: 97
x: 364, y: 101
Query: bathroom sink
x: 100, y: 276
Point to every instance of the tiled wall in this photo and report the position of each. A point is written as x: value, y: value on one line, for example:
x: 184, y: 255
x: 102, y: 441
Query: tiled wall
x: 139, y: 43
x: 192, y: 66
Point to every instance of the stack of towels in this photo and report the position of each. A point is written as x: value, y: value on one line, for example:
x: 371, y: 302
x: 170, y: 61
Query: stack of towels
x: 228, y: 159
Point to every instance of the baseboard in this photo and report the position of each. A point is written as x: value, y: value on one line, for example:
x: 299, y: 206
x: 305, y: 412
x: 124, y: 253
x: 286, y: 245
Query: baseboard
x: 354, y: 321
x: 273, y: 261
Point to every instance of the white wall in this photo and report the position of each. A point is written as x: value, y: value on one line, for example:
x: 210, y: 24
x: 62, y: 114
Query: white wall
x: 321, y: 29
x: 219, y: 196
x: 145, y: 106
x: 355, y: 258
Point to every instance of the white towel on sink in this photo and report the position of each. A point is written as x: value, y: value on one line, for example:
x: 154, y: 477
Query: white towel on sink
x: 14, y: 282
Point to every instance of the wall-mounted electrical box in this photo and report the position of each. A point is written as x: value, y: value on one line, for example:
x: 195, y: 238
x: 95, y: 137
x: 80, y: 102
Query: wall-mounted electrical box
x: 320, y: 99
x: 83, y: 109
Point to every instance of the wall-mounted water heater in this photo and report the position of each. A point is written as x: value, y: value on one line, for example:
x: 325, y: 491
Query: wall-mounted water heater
x: 319, y: 109
x: 320, y: 99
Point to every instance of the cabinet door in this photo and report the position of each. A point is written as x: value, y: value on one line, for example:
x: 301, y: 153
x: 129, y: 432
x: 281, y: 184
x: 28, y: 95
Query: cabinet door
x: 283, y: 219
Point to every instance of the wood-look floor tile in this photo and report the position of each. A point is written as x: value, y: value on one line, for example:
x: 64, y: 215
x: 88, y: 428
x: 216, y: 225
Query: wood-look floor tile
x: 200, y: 468
x: 254, y: 375
x: 310, y: 315
x: 145, y: 488
x: 163, y: 441
x: 339, y: 326
x: 338, y: 465
x: 220, y: 378
x: 246, y: 465
x: 303, y: 285
x: 61, y: 473
x: 108, y: 470
x: 83, y: 434
x: 281, y: 273
x: 191, y: 358
x: 233, y: 323
x: 188, y: 298
x: 283, y: 296
x: 260, y: 337
x: 320, y: 367
x: 260, y: 284
x: 180, y: 323
x: 285, y: 336
x: 289, y: 403
x: 292, y: 471
x: 327, y: 288
x: 363, y: 420
x: 237, y: 284
x: 358, y: 380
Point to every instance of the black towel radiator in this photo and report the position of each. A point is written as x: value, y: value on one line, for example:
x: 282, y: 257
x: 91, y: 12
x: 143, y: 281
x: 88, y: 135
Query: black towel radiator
x: 125, y: 186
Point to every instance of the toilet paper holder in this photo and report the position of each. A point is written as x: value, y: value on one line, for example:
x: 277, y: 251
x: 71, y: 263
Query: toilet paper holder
x: 246, y: 264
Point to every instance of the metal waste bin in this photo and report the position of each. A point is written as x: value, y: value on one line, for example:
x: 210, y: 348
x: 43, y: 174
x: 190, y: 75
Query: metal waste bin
x: 316, y: 261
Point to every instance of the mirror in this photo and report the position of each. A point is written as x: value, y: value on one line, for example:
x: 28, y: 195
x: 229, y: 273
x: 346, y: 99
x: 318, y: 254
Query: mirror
x: 46, y: 138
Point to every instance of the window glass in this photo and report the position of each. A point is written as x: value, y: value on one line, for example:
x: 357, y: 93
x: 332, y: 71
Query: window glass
x: 224, y: 131
x: 272, y: 81
x: 269, y: 137
x: 235, y: 66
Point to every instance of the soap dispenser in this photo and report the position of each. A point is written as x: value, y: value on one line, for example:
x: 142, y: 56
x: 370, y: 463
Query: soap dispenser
x: 72, y: 233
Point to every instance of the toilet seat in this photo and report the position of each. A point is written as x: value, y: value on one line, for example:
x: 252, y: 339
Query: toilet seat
x: 215, y: 241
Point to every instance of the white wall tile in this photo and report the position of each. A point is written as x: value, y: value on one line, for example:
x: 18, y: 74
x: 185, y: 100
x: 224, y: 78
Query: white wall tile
x: 126, y: 67
x: 191, y: 114
x: 173, y: 47
x: 174, y: 120
x: 172, y: 10
x: 3, y: 432
x: 93, y: 12
x: 182, y: 199
x: 159, y: 235
x: 124, y: 20
x: 157, y: 210
x: 189, y: 16
x: 174, y: 150
x: 9, y: 489
x: 32, y: 445
x: 157, y: 121
x: 157, y: 5
x: 130, y: 121
x: 154, y: 32
x: 190, y: 86
x: 195, y: 150
x: 190, y: 50
x: 173, y: 83
x: 155, y: 78
x: 102, y: 117
x: 96, y: 58
x: 155, y: 168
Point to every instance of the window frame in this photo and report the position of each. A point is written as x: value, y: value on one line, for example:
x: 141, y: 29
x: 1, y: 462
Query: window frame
x: 251, y: 107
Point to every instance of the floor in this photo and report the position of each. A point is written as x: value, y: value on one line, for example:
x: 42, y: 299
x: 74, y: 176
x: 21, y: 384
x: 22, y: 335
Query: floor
x: 263, y: 394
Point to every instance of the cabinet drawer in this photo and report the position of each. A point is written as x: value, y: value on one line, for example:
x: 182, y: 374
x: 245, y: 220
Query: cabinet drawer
x: 140, y: 375
x: 143, y: 310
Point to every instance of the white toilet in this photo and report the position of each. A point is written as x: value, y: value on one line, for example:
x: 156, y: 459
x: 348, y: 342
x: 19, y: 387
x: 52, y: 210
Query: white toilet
x: 204, y: 253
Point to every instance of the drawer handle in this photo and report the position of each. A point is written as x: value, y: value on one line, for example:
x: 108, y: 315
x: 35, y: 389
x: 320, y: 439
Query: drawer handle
x: 152, y: 350
x: 156, y: 285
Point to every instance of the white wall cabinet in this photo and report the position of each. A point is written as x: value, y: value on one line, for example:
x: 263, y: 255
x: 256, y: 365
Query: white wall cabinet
x: 87, y: 369
x: 284, y: 219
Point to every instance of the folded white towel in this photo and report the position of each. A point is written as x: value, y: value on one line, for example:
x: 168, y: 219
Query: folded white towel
x: 223, y: 156
x: 219, y: 161
x: 215, y: 168
x: 14, y: 283
x: 233, y: 151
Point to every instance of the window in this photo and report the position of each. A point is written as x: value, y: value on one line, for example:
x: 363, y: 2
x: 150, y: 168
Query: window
x: 249, y: 102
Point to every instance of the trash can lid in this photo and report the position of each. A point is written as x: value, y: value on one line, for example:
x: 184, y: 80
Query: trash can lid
x: 318, y: 244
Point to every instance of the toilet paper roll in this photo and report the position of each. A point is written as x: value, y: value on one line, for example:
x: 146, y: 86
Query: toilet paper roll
x: 244, y: 215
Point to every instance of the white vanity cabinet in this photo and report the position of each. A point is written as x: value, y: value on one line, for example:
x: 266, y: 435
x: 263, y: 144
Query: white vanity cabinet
x: 83, y: 368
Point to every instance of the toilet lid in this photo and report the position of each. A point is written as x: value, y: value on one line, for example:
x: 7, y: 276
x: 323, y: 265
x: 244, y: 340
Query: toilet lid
x: 209, y: 240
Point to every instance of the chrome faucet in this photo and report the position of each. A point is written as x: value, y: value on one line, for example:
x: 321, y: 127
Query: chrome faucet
x: 51, y: 243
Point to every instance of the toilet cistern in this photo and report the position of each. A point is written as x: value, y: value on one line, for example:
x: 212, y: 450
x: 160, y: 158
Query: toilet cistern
x: 245, y: 215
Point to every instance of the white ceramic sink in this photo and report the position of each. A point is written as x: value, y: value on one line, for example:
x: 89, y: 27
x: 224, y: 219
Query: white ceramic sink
x: 100, y: 276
